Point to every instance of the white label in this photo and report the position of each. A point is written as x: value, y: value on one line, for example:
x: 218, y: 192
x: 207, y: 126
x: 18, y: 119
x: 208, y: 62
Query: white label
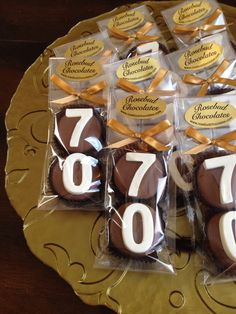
x: 147, y: 161
x: 128, y: 232
x: 86, y: 173
x: 85, y: 114
x: 228, y: 163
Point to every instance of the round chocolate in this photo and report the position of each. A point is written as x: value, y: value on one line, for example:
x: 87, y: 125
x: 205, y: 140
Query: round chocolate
x: 212, y: 189
x: 58, y: 185
x: 83, y: 127
x: 148, y: 184
x: 126, y: 233
x: 221, y: 234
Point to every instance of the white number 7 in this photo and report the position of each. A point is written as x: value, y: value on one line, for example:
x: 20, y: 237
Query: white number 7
x: 228, y: 163
x: 147, y: 161
x: 85, y: 115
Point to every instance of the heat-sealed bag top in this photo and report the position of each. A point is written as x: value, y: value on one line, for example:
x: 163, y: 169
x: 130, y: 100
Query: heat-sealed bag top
x: 72, y: 175
x: 95, y: 45
x: 191, y: 21
x: 206, y: 131
x: 207, y: 67
x: 139, y: 138
x: 133, y: 32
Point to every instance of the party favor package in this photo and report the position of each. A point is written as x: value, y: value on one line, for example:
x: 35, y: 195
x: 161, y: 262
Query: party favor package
x: 97, y: 44
x: 133, y: 32
x: 140, y: 138
x: 206, y: 131
x: 191, y: 21
x: 72, y: 174
x: 207, y: 67
x: 144, y: 74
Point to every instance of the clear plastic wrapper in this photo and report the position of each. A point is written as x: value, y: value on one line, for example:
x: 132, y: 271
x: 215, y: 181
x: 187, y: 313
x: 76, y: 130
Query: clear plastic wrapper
x: 148, y: 73
x: 191, y: 21
x: 73, y: 177
x: 207, y: 68
x: 133, y: 32
x: 137, y: 185
x: 95, y: 45
x: 206, y: 133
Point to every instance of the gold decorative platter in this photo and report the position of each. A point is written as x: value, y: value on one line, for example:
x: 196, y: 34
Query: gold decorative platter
x: 67, y: 240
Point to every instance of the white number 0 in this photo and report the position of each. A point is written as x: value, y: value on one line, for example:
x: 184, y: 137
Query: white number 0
x: 147, y: 161
x: 85, y: 115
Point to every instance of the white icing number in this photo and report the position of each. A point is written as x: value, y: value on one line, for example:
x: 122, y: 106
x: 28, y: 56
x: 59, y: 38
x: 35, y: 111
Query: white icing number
x: 227, y: 234
x: 147, y: 161
x: 85, y: 115
x: 148, y: 47
x: 228, y: 163
x: 127, y: 228
x: 86, y: 171
x: 176, y: 176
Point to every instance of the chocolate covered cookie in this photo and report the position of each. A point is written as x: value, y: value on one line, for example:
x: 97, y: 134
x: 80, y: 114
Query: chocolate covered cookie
x: 79, y: 129
x: 140, y: 175
x: 221, y: 234
x: 133, y: 230
x: 76, y: 178
x: 216, y: 181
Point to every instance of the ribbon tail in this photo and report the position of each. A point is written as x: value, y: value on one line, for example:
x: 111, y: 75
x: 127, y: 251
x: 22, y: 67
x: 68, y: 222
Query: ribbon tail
x: 226, y: 81
x: 203, y: 89
x: 197, y: 149
x: 160, y: 127
x: 196, y: 135
x: 115, y: 32
x: 120, y: 128
x: 147, y: 37
x: 128, y: 86
x: 64, y: 100
x: 157, y: 79
x: 96, y: 100
x: 122, y: 143
x: 155, y: 144
x: 226, y: 145
x: 96, y: 88
x: 192, y: 79
x: 63, y: 85
x: 214, y: 16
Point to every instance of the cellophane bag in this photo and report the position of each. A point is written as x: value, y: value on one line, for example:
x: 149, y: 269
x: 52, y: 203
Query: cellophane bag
x: 206, y: 133
x: 95, y: 45
x: 133, y: 32
x: 206, y: 68
x: 73, y: 178
x: 139, y: 138
x: 148, y: 72
x: 190, y: 21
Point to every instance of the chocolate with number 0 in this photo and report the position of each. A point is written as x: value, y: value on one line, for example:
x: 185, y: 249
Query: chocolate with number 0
x: 132, y: 230
x: 77, y: 178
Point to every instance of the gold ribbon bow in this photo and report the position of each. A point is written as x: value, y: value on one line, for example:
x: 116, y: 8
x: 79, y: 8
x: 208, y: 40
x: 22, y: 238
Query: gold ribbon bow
x: 206, y: 27
x: 213, y: 79
x: 86, y: 94
x: 139, y: 35
x: 131, y: 87
x: 146, y: 136
x: 205, y: 142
